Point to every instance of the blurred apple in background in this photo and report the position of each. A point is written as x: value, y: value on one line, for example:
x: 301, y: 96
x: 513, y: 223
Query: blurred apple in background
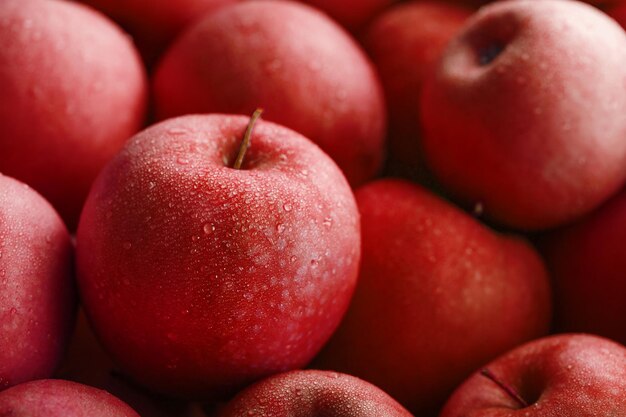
x: 525, y: 113
x: 73, y: 90
x: 559, y: 376
x: 587, y: 261
x: 351, y: 14
x: 618, y: 12
x: 58, y: 398
x: 290, y: 59
x: 155, y: 23
x: 405, y: 42
x: 313, y: 393
x: 37, y: 297
x: 199, y: 277
x: 438, y: 295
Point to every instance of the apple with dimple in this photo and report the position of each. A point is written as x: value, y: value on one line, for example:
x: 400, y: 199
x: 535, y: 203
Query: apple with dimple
x: 525, y: 113
x: 313, y: 393
x: 59, y: 398
x: 73, y: 90
x: 198, y: 277
x: 566, y: 375
x: 438, y: 295
x: 292, y: 60
x: 37, y: 297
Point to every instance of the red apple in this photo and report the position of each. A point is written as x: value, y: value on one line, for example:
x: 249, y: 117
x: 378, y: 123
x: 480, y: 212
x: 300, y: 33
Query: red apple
x: 525, y: 113
x: 155, y: 23
x: 618, y: 12
x: 73, y: 90
x: 312, y: 394
x: 559, y: 376
x: 352, y: 14
x: 438, y: 295
x: 587, y: 261
x: 58, y: 398
x: 198, y: 277
x: 37, y: 299
x: 293, y: 61
x: 405, y: 43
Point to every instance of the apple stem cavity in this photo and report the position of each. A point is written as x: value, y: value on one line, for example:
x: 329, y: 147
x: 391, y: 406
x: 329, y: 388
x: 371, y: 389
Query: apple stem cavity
x: 489, y: 53
x: 511, y: 392
x: 245, y: 143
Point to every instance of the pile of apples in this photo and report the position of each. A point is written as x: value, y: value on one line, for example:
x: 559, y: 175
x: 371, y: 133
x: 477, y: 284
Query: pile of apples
x: 312, y: 208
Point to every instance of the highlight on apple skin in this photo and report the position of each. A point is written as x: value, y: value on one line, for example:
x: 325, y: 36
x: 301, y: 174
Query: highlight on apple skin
x: 525, y: 113
x: 199, y: 278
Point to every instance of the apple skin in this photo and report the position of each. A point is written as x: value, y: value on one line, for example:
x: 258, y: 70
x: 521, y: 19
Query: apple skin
x: 536, y: 134
x: 199, y: 278
x: 434, y: 286
x: 37, y: 297
x: 155, y: 23
x: 352, y: 14
x: 73, y: 90
x: 566, y: 375
x: 291, y: 60
x: 587, y: 261
x: 58, y: 398
x: 618, y: 12
x: 313, y: 393
x: 405, y: 43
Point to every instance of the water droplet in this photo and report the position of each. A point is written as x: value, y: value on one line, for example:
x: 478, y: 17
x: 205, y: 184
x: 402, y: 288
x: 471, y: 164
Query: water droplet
x: 208, y: 228
x: 182, y: 161
x: 328, y: 222
x: 287, y: 207
x: 248, y: 296
x: 13, y: 311
x: 151, y: 185
x: 293, y: 259
x: 127, y: 245
x: 282, y: 157
x: 280, y: 228
x: 177, y: 131
x: 2, y: 273
x: 314, y: 263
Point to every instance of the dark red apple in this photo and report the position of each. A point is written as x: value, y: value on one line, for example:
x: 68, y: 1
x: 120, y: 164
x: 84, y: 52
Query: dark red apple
x: 618, y: 12
x: 73, y: 90
x: 567, y: 375
x: 438, y: 295
x: 198, y: 277
x: 290, y: 59
x: 37, y: 297
x: 405, y: 43
x: 525, y: 113
x: 155, y: 23
x: 313, y: 394
x: 352, y: 14
x: 58, y: 398
x: 587, y: 261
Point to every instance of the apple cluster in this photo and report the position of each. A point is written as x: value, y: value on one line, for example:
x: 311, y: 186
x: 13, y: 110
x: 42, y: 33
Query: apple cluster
x: 339, y: 208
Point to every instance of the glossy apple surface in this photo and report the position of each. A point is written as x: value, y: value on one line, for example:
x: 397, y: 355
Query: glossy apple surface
x: 73, y: 90
x: 58, y: 398
x: 155, y: 23
x: 405, y: 43
x: 313, y: 393
x: 199, y: 278
x: 587, y: 261
x: 525, y: 113
x: 563, y: 375
x: 438, y: 295
x: 37, y: 298
x: 291, y: 60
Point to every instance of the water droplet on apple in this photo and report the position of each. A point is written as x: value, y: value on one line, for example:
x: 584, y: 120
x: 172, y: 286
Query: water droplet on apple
x: 182, y: 161
x: 280, y: 228
x: 177, y: 131
x: 13, y: 311
x: 208, y: 228
x: 328, y: 222
x: 151, y: 185
x: 287, y: 207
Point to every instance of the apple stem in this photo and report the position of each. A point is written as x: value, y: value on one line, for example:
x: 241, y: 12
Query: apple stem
x: 486, y: 372
x: 245, y: 143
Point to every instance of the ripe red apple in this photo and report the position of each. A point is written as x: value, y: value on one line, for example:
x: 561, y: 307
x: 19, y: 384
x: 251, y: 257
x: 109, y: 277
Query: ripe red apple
x: 618, y: 12
x: 405, y: 43
x: 438, y: 295
x: 73, y: 90
x: 525, y: 113
x: 290, y: 59
x: 562, y: 375
x: 155, y: 23
x: 311, y: 394
x: 37, y: 298
x: 58, y: 398
x: 198, y: 277
x: 587, y: 261
x: 352, y: 14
